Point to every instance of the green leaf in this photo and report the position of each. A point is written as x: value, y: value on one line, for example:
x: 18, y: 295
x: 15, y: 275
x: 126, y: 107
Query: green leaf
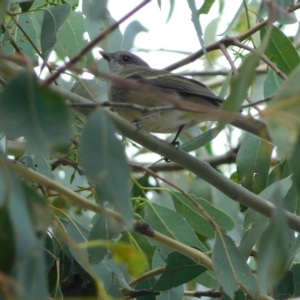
x: 39, y: 210
x: 285, y: 288
x: 101, y: 231
x: 272, y: 265
x: 235, y: 18
x: 54, y: 17
x: 196, y: 220
x: 231, y: 268
x: 28, y: 268
x: 180, y: 269
x: 70, y: 39
x: 206, y: 6
x: 92, y: 89
x: 253, y: 163
x: 4, y: 4
x: 7, y: 241
x: 272, y: 84
x: 34, y: 112
x: 278, y: 12
x: 173, y: 225
x: 256, y: 223
x: 296, y: 276
x: 26, y: 5
x: 282, y: 115
x: 280, y: 50
x: 94, y: 27
x: 239, y: 86
x: 294, y: 163
x: 104, y: 161
x: 174, y: 294
x: 197, y: 24
x: 29, y: 43
x: 171, y: 10
x: 200, y: 140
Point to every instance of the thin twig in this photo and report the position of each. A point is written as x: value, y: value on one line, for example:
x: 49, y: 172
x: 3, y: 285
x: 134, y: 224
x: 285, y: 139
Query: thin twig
x: 228, y: 41
x: 92, y: 44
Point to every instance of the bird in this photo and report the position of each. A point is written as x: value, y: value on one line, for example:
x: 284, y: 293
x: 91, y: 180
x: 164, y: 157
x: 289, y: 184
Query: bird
x: 131, y: 67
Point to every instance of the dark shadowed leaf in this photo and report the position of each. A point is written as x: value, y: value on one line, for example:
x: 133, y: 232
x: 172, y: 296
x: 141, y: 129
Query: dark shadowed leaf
x: 34, y: 112
x: 296, y: 279
x: 180, y: 269
x: 285, y: 288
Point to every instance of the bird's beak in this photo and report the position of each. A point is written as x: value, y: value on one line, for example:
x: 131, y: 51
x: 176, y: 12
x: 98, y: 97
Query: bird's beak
x: 105, y: 55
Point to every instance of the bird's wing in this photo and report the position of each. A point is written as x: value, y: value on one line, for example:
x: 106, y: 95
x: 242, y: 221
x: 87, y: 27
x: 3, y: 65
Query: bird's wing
x: 180, y: 84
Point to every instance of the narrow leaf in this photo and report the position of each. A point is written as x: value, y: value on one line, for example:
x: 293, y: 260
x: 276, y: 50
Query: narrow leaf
x: 34, y: 112
x: 231, y: 268
x: 253, y: 163
x: 281, y: 50
x: 54, y: 17
x: 170, y: 223
x: 104, y: 161
x: 180, y: 269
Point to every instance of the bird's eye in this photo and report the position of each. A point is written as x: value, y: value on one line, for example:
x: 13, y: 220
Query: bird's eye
x: 126, y: 58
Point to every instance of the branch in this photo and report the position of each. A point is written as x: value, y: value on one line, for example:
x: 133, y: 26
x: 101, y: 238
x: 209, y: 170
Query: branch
x: 228, y: 41
x: 198, y: 167
x: 93, y: 43
x: 31, y: 175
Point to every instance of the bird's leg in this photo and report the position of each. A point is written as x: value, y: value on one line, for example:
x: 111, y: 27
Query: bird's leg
x: 175, y: 143
x: 137, y: 122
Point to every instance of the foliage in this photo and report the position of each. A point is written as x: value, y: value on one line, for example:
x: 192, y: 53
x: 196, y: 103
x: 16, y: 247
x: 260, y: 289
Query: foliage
x: 82, y: 217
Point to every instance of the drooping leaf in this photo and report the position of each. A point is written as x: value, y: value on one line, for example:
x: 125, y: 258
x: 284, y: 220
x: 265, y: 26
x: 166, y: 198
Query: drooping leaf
x: 104, y: 162
x: 101, y: 231
x: 239, y: 86
x: 54, y: 18
x: 277, y: 12
x: 272, y: 84
x: 206, y: 6
x: 253, y: 163
x: 70, y: 39
x: 95, y: 26
x: 34, y: 112
x: 197, y: 24
x: 231, y: 268
x: 256, y: 223
x: 272, y: 265
x: 282, y: 115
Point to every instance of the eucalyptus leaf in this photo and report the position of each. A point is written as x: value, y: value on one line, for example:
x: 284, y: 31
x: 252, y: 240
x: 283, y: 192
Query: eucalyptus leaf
x: 104, y: 162
x: 34, y: 112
